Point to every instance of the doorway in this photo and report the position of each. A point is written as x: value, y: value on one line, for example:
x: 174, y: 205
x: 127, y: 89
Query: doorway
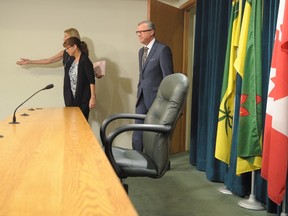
x: 188, y: 59
x: 175, y: 27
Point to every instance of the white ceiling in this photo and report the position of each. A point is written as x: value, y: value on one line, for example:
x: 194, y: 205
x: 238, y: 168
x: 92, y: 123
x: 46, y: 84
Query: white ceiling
x: 175, y: 3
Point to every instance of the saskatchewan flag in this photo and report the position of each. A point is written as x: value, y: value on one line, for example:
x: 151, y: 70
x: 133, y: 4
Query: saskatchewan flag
x: 248, y: 65
x: 226, y: 109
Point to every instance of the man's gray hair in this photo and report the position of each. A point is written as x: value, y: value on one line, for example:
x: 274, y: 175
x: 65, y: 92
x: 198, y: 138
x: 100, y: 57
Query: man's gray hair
x: 148, y: 23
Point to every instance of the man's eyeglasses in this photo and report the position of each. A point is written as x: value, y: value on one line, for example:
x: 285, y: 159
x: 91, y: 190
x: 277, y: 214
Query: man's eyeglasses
x: 139, y: 32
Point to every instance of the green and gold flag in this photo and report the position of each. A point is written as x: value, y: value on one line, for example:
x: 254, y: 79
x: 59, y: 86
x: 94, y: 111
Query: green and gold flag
x: 248, y: 65
x: 226, y: 109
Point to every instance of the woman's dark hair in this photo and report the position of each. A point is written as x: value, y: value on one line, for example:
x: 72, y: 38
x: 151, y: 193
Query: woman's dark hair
x: 71, y: 41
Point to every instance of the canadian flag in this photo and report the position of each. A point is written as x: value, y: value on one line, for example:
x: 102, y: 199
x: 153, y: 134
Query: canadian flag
x: 275, y: 146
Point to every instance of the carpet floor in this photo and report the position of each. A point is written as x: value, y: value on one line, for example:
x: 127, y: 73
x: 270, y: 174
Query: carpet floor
x: 182, y: 191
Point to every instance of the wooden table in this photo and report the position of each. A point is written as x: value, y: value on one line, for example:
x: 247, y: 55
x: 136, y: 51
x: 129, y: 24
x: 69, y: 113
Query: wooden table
x: 52, y: 164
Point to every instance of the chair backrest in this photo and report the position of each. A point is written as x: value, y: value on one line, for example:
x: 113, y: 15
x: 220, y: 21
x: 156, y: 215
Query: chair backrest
x: 166, y: 109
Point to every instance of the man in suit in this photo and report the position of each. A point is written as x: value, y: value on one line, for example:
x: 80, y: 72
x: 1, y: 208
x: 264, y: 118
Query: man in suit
x: 153, y: 67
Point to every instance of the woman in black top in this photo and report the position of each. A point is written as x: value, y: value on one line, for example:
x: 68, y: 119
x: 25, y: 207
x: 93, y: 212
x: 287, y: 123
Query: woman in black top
x: 67, y: 62
x: 79, y: 78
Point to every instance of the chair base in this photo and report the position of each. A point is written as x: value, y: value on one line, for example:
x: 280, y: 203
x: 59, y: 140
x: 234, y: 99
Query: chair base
x: 126, y: 187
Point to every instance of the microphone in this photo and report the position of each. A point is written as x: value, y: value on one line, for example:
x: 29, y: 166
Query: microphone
x: 14, y: 115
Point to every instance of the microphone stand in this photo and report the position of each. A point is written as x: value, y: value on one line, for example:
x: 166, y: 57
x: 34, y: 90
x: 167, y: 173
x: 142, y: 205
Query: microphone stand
x: 14, y: 114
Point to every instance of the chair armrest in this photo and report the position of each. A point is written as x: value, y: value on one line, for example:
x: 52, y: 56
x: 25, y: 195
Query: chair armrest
x: 130, y: 127
x: 112, y: 118
x: 138, y: 127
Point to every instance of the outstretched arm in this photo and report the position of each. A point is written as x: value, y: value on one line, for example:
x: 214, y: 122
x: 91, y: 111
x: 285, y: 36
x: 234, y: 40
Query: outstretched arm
x: 53, y: 59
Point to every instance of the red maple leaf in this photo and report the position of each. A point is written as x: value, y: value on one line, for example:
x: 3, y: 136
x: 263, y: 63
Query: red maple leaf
x: 284, y: 47
x: 280, y: 63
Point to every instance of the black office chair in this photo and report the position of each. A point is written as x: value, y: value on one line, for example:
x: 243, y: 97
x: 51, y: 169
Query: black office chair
x: 158, y: 127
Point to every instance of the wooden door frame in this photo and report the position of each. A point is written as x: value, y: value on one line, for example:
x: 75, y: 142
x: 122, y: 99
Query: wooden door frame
x: 183, y: 68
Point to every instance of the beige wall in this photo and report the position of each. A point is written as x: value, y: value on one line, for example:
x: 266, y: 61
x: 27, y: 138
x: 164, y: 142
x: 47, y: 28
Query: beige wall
x: 34, y: 29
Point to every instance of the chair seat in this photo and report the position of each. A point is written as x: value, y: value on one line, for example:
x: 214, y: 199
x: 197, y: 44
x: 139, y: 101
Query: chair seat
x: 134, y: 163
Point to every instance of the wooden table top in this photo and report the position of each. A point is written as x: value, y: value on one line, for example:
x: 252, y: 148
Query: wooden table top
x: 52, y: 164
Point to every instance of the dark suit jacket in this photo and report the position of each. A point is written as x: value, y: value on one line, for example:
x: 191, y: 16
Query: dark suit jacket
x: 158, y: 65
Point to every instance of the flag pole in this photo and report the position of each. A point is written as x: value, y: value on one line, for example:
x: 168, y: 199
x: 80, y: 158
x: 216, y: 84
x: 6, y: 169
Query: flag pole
x: 251, y: 203
x: 284, y: 213
x: 224, y: 190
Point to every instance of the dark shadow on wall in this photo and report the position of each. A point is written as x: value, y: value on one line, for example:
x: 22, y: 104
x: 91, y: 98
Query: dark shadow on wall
x: 111, y: 92
x: 91, y: 48
x: 111, y: 89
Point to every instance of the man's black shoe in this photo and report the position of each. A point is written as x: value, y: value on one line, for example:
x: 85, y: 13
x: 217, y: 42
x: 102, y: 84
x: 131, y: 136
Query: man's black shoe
x: 169, y: 165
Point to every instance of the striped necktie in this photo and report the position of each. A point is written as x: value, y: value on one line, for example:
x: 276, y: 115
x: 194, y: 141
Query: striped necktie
x: 144, y: 56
